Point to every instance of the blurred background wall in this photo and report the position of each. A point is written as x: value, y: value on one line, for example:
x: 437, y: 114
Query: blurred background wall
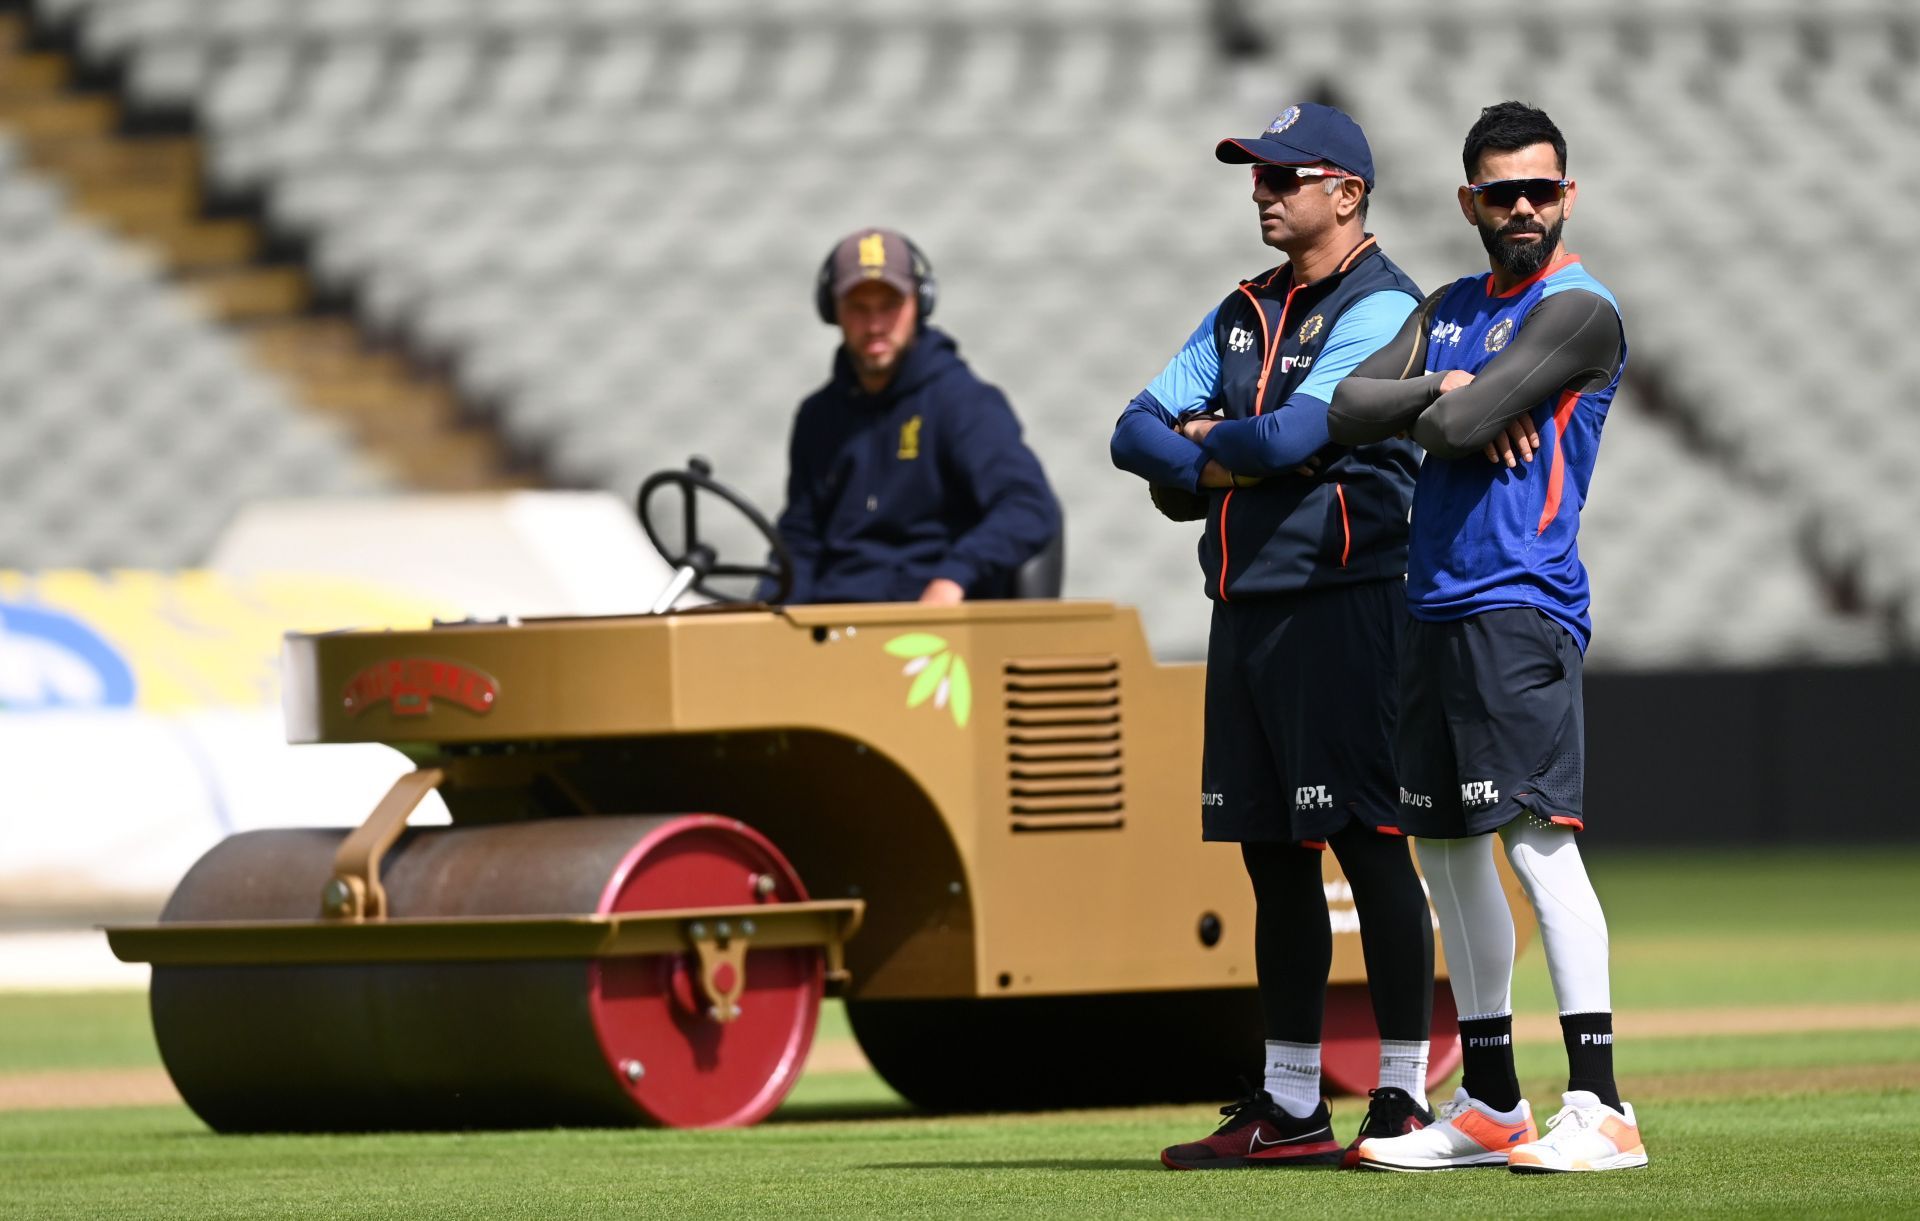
x: 265, y: 248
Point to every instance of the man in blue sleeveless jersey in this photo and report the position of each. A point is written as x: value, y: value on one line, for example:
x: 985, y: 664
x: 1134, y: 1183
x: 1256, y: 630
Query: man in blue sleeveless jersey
x: 1304, y: 554
x: 1512, y: 375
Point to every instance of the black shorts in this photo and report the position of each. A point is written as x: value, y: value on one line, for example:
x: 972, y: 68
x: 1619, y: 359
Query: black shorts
x: 1491, y: 724
x: 1301, y: 693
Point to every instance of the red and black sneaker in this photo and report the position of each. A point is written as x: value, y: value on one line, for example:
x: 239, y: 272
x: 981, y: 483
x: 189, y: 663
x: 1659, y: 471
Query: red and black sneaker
x: 1391, y: 1111
x: 1256, y: 1132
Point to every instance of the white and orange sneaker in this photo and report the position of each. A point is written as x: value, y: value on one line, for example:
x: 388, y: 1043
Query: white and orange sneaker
x: 1587, y: 1134
x: 1467, y: 1134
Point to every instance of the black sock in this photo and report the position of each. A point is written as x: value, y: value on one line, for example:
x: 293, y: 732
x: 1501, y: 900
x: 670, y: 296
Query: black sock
x: 1486, y: 1050
x: 1589, y: 1039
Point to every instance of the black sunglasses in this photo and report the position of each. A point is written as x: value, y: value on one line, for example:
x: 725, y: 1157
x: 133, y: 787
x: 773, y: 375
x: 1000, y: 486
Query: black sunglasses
x: 1508, y: 191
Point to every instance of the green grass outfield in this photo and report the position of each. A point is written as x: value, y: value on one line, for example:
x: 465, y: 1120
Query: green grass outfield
x: 1768, y: 1124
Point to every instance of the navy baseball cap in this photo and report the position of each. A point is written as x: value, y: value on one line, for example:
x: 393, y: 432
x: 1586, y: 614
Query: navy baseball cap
x: 1303, y: 135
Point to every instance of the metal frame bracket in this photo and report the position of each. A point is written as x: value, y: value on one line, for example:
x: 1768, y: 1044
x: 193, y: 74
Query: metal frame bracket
x: 721, y: 946
x: 354, y: 894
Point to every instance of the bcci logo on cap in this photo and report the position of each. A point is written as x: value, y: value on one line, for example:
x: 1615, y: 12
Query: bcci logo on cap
x: 1285, y: 119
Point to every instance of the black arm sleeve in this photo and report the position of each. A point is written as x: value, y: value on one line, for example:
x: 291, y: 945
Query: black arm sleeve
x: 1571, y: 341
x: 1390, y: 388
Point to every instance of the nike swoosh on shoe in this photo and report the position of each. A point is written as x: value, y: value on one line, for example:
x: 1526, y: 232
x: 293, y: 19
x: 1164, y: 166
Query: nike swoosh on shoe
x: 1255, y: 1144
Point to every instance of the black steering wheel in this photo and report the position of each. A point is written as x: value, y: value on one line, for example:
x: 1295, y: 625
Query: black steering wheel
x: 695, y: 562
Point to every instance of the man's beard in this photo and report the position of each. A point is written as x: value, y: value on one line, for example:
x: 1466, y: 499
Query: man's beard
x: 1521, y: 259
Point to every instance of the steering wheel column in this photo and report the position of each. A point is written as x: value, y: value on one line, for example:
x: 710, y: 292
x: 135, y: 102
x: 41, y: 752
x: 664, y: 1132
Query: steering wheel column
x: 694, y: 562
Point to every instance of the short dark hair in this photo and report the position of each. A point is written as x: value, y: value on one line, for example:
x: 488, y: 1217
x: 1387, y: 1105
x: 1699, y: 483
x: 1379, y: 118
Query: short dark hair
x: 1508, y: 126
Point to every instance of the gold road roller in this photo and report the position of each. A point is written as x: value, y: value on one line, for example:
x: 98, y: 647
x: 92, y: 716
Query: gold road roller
x: 1001, y: 796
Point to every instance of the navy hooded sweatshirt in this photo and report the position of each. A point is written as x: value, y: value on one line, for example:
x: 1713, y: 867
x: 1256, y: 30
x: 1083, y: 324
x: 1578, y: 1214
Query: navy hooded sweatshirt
x: 927, y: 478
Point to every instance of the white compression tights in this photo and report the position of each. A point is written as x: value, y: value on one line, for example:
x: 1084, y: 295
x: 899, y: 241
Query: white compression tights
x: 1476, y: 927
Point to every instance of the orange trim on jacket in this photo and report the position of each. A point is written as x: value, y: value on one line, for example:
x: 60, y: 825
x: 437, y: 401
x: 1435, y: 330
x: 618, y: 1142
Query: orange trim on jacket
x: 1346, y: 528
x: 1353, y: 256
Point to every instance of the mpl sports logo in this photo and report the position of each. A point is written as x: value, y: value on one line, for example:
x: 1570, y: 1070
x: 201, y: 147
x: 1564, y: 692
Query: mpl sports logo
x: 409, y: 685
x: 1478, y: 794
x: 1312, y: 797
x: 1445, y: 332
x: 1240, y: 339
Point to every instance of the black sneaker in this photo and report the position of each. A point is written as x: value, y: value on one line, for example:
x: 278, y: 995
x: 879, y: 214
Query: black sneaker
x: 1256, y: 1132
x: 1391, y: 1111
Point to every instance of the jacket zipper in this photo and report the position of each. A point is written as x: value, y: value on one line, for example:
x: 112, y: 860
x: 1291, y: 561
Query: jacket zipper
x: 1259, y: 401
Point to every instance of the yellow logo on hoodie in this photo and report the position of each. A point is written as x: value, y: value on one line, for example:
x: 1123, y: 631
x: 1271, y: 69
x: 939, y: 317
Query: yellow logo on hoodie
x: 910, y: 439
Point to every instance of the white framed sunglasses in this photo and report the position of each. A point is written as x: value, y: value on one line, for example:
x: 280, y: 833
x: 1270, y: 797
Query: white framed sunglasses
x: 1280, y: 179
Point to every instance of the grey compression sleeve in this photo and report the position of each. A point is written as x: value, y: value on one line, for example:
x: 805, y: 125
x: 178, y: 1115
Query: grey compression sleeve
x: 1571, y: 341
x: 1379, y: 399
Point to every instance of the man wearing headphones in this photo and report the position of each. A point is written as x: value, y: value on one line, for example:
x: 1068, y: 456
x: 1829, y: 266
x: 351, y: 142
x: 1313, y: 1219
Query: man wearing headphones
x: 907, y: 478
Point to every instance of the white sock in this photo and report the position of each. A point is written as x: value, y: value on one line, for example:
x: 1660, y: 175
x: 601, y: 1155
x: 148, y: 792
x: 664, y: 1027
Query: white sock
x: 1403, y: 1065
x: 1293, y: 1076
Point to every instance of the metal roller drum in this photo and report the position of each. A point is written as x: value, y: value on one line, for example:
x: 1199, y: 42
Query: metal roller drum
x: 518, y: 1043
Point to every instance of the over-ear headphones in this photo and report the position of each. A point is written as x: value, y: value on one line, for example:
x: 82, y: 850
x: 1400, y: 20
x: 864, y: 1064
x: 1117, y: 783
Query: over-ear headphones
x: 926, y: 290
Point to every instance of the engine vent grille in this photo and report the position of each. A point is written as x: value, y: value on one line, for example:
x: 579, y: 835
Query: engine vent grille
x: 1066, y: 767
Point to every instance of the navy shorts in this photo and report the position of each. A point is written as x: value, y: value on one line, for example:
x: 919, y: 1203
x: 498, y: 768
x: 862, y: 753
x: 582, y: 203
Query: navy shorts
x: 1301, y: 693
x: 1491, y: 724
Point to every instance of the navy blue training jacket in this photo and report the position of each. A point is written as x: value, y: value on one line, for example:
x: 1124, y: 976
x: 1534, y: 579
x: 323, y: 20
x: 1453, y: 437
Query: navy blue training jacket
x: 928, y: 478
x: 1344, y: 524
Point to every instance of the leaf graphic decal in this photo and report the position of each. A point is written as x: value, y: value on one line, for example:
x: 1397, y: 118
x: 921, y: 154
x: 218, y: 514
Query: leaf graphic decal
x: 937, y: 672
x: 960, y: 697
x: 915, y: 644
x: 928, y: 679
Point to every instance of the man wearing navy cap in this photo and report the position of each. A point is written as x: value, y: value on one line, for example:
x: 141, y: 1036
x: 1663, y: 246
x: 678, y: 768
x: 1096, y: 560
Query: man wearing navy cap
x: 1305, y: 556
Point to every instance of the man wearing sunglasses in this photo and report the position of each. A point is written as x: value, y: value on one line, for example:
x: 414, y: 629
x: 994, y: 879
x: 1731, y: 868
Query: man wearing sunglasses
x: 1517, y: 365
x: 1304, y: 554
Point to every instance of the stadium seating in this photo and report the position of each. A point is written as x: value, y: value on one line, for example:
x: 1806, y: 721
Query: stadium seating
x: 133, y: 427
x: 604, y: 216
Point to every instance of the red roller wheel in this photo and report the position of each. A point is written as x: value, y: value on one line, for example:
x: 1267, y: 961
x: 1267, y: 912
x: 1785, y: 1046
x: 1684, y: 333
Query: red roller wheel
x: 683, y: 1068
x: 1350, y: 1054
